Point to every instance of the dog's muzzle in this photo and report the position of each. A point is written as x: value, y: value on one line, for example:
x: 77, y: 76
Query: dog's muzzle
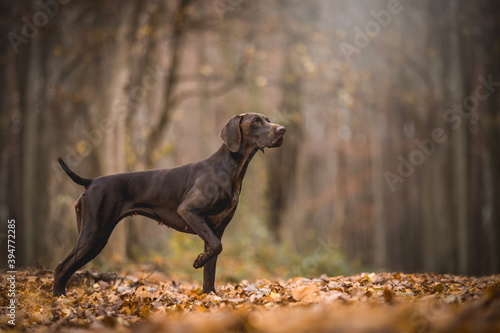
x: 280, y: 132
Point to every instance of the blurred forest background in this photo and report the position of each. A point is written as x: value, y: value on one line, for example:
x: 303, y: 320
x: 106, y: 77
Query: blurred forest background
x: 391, y: 160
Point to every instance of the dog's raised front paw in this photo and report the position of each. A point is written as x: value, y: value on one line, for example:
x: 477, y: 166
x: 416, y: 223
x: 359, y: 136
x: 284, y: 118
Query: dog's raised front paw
x: 201, y: 260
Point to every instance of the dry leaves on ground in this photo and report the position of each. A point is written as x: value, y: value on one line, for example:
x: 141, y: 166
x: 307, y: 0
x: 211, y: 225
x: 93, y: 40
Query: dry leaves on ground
x: 150, y: 302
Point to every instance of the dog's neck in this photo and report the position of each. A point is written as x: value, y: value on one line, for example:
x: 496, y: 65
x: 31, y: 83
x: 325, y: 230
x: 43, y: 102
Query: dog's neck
x: 236, y: 164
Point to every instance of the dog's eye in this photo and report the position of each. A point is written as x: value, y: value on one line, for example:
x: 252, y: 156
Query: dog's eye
x: 256, y: 121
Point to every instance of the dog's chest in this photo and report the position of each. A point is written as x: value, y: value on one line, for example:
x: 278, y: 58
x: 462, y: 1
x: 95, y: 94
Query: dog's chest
x: 226, y: 210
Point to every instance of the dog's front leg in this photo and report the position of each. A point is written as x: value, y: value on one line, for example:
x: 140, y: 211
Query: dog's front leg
x: 209, y: 275
x: 196, y: 222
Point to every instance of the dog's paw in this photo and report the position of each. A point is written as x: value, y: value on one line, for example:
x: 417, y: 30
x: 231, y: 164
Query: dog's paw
x: 201, y: 260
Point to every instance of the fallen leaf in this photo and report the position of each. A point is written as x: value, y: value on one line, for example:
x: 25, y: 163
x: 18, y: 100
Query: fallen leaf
x: 306, y: 294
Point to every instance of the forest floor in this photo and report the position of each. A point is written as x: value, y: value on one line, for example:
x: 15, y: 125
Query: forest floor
x: 152, y: 302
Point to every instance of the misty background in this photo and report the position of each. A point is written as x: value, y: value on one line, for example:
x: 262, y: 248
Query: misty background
x: 391, y: 160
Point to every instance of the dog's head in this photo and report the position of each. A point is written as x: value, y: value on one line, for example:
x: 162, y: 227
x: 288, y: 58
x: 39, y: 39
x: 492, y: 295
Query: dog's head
x: 252, y: 130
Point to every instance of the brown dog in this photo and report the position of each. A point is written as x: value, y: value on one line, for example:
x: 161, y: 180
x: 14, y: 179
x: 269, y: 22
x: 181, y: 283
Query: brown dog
x: 198, y: 198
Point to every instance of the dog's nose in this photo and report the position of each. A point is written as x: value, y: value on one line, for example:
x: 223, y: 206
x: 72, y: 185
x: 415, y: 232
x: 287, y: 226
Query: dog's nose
x: 281, y: 130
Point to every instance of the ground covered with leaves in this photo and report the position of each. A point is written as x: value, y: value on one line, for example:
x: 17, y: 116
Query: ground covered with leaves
x: 151, y: 302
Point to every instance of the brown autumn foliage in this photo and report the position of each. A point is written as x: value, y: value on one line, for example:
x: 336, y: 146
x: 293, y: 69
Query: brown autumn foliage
x: 151, y: 302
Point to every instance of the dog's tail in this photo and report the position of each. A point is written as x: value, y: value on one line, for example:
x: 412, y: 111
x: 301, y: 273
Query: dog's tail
x: 77, y: 179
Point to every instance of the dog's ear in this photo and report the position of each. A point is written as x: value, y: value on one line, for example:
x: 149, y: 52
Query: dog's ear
x: 231, y: 134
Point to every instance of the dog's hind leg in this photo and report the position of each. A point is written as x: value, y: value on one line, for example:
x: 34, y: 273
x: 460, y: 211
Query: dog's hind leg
x: 78, y: 211
x: 93, y: 237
